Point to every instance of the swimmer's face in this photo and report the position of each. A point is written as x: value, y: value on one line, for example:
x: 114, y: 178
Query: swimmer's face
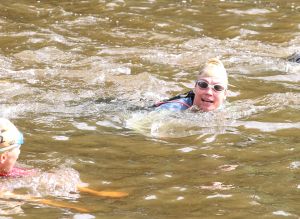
x: 8, y: 159
x: 212, y: 96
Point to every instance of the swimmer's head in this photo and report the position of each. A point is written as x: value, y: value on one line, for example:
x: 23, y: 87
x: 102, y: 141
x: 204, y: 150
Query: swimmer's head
x: 9, y: 134
x: 211, y: 86
x: 214, y: 68
x: 10, y: 141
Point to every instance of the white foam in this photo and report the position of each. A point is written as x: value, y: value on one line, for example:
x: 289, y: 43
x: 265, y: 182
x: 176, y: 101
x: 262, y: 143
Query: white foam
x: 282, y: 213
x: 219, y: 196
x: 83, y: 126
x: 150, y: 197
x: 254, y: 11
x: 269, y: 126
x: 107, y: 124
x: 83, y: 216
x: 186, y: 149
x: 295, y: 165
x: 60, y: 138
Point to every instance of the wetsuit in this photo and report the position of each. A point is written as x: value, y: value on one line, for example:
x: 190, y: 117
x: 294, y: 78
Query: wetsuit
x: 177, y: 103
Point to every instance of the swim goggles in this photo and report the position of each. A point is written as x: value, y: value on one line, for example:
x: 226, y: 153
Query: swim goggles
x: 16, y: 144
x: 204, y: 85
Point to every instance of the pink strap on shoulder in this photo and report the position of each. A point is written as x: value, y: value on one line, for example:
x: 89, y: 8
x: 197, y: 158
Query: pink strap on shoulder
x: 18, y: 172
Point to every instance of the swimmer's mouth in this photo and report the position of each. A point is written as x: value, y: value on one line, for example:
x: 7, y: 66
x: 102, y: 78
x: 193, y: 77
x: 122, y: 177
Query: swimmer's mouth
x: 208, y: 101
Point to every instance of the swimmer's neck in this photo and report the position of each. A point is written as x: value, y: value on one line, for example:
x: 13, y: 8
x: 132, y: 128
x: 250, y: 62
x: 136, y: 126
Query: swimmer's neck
x: 5, y: 170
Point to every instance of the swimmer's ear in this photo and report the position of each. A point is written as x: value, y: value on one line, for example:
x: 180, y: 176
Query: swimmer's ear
x: 3, y: 158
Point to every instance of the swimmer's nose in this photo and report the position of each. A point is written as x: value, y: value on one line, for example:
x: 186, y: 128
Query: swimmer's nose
x: 209, y: 90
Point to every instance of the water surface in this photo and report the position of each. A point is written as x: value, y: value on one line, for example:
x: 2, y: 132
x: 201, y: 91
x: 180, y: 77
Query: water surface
x: 77, y: 78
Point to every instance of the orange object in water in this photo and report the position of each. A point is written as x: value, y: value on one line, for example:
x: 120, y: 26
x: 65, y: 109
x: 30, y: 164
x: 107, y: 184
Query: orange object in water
x: 110, y: 194
x: 60, y: 204
x: 49, y: 202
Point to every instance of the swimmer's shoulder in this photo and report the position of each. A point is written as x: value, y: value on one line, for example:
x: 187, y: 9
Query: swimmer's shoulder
x: 177, y: 103
x: 19, y: 172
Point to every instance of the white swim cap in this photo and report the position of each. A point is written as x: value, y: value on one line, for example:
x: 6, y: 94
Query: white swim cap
x: 214, y: 68
x: 9, y: 134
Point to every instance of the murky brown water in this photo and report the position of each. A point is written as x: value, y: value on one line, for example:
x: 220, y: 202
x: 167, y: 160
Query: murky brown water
x: 76, y: 75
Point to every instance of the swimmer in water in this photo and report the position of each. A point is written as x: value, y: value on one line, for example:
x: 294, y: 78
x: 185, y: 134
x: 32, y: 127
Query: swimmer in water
x: 11, y: 140
x: 209, y: 93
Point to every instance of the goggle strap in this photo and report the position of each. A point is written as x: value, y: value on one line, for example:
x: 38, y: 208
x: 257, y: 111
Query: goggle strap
x: 9, y: 147
x: 20, y: 139
x: 18, y: 143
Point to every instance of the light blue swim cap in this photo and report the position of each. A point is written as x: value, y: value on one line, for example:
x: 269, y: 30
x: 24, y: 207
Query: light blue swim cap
x: 20, y: 139
x: 17, y: 144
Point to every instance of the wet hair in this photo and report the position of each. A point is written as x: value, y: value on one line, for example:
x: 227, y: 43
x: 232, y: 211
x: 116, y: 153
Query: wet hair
x: 214, y: 68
